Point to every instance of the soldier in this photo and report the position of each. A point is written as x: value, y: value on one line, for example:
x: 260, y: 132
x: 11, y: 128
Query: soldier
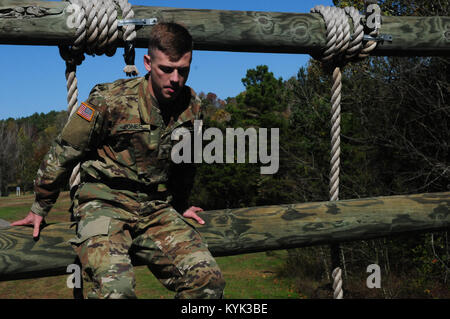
x: 130, y: 195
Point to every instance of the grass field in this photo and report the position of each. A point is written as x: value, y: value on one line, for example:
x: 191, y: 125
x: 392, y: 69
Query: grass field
x: 249, y: 276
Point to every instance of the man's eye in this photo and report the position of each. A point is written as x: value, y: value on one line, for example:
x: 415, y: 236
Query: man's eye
x: 166, y: 69
x: 183, y: 71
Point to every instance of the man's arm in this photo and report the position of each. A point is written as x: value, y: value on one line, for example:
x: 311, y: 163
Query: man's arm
x: 81, y: 134
x: 51, y: 176
x: 53, y: 173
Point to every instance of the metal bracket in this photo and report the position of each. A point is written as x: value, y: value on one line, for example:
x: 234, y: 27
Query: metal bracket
x: 379, y: 38
x: 151, y: 21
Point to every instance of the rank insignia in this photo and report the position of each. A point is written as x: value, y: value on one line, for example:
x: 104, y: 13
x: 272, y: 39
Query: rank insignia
x: 86, y: 111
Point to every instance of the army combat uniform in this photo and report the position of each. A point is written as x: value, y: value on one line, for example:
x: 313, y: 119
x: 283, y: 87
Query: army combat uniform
x: 131, y: 196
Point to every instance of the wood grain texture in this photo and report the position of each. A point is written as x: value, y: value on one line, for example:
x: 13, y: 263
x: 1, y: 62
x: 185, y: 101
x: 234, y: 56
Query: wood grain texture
x: 245, y: 230
x: 44, y: 23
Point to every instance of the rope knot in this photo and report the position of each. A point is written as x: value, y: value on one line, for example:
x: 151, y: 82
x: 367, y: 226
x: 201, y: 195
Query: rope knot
x: 343, y: 46
x: 97, y: 32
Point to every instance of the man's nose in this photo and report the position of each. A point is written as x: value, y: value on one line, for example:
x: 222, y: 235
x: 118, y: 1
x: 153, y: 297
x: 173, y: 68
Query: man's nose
x: 175, y: 76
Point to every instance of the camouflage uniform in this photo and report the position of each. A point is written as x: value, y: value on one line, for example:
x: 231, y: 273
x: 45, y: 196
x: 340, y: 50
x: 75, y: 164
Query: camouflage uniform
x: 131, y: 194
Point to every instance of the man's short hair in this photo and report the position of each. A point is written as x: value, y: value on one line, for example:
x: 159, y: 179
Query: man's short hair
x: 170, y: 38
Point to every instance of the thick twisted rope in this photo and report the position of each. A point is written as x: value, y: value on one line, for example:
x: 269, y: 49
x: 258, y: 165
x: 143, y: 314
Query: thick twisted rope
x: 337, y: 284
x: 96, y: 34
x: 129, y: 35
x: 341, y: 47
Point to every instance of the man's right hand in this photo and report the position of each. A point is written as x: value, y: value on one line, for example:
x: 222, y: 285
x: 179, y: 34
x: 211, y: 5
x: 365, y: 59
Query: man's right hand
x: 31, y: 219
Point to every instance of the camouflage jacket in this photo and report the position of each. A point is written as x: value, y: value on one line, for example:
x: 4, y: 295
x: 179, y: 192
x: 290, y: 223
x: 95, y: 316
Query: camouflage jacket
x: 122, y: 138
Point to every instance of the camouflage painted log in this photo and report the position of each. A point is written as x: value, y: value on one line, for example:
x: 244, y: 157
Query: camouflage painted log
x: 44, y: 23
x: 245, y: 230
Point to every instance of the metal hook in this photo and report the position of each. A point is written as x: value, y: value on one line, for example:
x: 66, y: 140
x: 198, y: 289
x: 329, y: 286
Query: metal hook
x: 151, y: 21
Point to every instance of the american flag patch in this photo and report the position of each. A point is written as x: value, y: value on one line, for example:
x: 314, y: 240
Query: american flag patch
x: 86, y: 112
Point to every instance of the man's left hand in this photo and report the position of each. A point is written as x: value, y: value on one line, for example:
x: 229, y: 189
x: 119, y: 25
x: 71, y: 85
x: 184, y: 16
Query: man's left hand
x: 191, y: 213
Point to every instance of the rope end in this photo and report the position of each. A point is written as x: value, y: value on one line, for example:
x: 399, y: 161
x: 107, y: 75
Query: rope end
x: 131, y: 70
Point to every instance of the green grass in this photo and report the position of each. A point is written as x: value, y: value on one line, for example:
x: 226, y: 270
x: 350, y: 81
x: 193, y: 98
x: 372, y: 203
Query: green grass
x: 12, y: 213
x: 249, y: 276
x: 255, y: 276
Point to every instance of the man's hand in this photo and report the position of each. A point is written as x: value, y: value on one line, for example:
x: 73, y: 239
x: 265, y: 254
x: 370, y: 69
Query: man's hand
x: 31, y: 219
x: 191, y: 213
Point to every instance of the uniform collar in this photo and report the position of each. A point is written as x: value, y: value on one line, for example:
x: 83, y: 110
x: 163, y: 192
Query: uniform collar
x: 148, y: 105
x: 150, y: 111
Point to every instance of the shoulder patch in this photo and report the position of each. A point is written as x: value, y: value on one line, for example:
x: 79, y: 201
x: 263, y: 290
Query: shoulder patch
x: 85, y: 111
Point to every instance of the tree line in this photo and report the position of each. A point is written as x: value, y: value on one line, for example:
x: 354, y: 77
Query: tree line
x: 23, y: 144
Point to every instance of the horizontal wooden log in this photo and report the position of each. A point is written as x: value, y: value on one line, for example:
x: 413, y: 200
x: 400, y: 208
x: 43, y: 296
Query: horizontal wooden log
x: 44, y: 23
x: 246, y: 230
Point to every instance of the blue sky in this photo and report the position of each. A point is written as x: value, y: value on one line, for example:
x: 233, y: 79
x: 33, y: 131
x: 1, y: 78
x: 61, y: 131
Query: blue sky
x: 32, y: 77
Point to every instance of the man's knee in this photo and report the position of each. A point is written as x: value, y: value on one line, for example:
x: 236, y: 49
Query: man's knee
x: 215, y: 284
x: 202, y: 281
x: 107, y: 265
x: 112, y: 286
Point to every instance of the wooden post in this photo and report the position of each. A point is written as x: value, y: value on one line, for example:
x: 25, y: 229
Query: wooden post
x: 246, y: 230
x: 44, y: 23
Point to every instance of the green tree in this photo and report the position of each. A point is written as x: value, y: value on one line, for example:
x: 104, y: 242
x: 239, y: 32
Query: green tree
x: 262, y: 104
x: 8, y: 154
x: 26, y: 167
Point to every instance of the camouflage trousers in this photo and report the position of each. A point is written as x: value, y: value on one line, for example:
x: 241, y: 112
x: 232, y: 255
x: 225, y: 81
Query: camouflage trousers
x: 110, y: 236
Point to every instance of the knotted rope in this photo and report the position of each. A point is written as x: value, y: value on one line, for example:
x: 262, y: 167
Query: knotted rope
x: 342, y: 47
x: 96, y: 34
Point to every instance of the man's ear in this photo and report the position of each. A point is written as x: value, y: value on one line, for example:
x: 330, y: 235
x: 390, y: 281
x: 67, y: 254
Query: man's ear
x: 148, y: 62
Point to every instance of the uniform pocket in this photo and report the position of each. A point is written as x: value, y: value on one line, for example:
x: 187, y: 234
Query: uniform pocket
x: 151, y: 160
x: 165, y: 148
x: 122, y: 147
x: 91, y: 227
x: 129, y: 141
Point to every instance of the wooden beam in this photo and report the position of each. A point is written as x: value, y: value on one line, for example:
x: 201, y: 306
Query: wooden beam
x: 246, y: 230
x: 30, y: 22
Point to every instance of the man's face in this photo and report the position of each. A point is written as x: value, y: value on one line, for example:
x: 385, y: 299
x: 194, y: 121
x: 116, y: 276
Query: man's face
x: 167, y: 78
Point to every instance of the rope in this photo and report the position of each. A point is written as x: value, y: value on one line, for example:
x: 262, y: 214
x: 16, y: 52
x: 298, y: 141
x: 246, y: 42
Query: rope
x: 96, y: 34
x: 341, y: 48
x: 337, y: 284
x: 129, y: 35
